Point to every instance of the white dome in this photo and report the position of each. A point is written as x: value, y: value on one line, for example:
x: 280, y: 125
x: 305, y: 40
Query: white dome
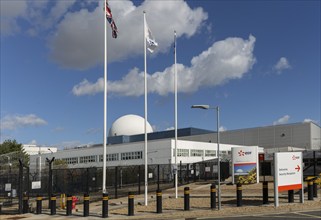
x: 129, y: 125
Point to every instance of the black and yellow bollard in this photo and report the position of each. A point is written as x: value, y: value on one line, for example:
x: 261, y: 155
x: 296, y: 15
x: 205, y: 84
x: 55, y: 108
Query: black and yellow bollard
x: 105, y: 205
x: 53, y: 199
x: 25, y: 203
x: 39, y: 204
x: 130, y: 204
x: 159, y: 205
x: 315, y: 188
x: 310, y: 189
x: 213, y: 196
x: 290, y: 196
x: 86, y: 205
x: 186, y: 199
x: 69, y: 205
x: 265, y: 192
x: 239, y: 194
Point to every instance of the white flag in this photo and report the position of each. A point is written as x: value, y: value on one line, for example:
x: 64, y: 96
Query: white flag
x: 150, y: 40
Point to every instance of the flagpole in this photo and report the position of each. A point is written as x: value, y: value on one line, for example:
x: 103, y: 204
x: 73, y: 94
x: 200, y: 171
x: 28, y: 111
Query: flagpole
x: 175, y: 85
x: 105, y: 104
x: 145, y: 112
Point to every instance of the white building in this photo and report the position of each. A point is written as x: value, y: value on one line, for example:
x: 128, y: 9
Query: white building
x: 129, y: 154
x: 32, y: 149
x: 126, y: 144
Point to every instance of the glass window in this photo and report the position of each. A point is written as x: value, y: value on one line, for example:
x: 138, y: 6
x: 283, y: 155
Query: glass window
x: 210, y: 153
x: 132, y: 155
x: 181, y: 152
x: 197, y: 153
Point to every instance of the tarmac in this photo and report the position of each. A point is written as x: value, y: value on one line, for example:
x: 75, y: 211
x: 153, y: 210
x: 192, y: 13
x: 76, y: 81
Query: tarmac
x: 173, y: 208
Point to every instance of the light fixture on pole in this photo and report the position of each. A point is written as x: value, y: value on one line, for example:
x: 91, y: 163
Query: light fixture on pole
x: 206, y: 107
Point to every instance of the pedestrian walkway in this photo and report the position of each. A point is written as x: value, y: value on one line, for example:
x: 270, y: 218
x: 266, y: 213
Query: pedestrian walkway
x: 174, y: 208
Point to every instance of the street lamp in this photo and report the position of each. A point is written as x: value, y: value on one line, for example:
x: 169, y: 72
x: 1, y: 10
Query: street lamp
x: 206, y: 107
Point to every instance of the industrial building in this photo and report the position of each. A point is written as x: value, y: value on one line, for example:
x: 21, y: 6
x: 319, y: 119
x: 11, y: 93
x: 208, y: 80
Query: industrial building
x: 126, y: 144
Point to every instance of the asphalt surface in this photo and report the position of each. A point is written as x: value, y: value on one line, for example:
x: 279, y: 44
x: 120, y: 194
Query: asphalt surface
x: 290, y: 215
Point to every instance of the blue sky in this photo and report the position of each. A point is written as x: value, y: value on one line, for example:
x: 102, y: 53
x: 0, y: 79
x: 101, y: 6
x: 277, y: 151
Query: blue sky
x: 258, y: 60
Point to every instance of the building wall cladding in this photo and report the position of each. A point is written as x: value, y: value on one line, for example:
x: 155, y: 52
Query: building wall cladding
x: 300, y: 135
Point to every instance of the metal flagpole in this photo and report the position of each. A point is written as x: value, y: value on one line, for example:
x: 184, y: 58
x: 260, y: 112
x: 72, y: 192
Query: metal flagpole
x: 175, y: 88
x: 145, y: 112
x: 105, y: 103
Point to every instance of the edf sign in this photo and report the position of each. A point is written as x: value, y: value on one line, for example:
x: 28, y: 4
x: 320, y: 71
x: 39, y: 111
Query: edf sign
x: 288, y: 172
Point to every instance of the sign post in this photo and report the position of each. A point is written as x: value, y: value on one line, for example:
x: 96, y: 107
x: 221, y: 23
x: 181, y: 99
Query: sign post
x: 288, y: 174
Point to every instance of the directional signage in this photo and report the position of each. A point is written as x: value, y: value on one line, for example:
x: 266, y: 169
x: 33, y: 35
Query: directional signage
x: 289, y: 171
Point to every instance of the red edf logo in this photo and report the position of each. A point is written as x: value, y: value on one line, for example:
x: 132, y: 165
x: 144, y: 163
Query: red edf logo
x: 295, y: 157
x: 241, y: 153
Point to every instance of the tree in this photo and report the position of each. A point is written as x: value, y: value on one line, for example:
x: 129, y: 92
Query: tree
x: 13, y: 150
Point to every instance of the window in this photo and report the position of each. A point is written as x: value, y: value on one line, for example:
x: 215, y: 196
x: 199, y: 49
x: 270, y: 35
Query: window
x: 197, y: 153
x: 181, y: 152
x: 87, y: 159
x: 132, y: 155
x: 71, y: 160
x: 210, y: 153
x: 109, y: 157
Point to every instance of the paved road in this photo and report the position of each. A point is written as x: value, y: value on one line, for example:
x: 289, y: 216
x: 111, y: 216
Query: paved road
x: 280, y: 216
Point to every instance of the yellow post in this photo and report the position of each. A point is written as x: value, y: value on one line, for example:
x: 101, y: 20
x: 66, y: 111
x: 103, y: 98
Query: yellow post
x: 63, y: 201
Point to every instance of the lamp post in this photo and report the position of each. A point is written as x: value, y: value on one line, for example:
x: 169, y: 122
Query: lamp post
x: 206, y: 107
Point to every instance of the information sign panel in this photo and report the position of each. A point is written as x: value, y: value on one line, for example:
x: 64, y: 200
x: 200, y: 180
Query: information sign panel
x: 288, y: 173
x: 245, y: 165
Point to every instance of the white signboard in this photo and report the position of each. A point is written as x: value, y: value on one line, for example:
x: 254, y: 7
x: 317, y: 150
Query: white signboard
x: 36, y: 185
x: 288, y: 173
x: 245, y: 166
x: 7, y: 187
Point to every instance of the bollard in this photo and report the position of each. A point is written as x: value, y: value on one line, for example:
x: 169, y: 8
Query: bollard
x: 25, y: 203
x: 130, y: 204
x: 213, y: 196
x: 105, y: 205
x: 239, y: 194
x: 186, y: 199
x: 39, y: 204
x: 315, y: 188
x: 291, y: 196
x: 53, y: 199
x: 69, y: 205
x: 159, y: 201
x: 310, y: 190
x: 86, y: 205
x: 265, y: 192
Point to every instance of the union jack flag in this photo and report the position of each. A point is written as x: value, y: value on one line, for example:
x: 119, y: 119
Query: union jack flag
x: 111, y: 21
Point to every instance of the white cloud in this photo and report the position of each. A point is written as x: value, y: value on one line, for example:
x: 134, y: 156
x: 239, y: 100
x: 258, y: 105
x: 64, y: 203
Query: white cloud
x: 33, y: 142
x: 223, y: 61
x: 79, y: 39
x: 282, y: 120
x: 12, y: 122
x: 77, y: 31
x: 222, y: 128
x: 58, y: 129
x: 10, y: 11
x: 281, y: 65
x: 91, y: 131
x: 309, y: 120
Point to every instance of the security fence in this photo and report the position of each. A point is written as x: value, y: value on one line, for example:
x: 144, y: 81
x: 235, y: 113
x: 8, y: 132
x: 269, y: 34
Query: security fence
x: 16, y: 180
x: 58, y: 180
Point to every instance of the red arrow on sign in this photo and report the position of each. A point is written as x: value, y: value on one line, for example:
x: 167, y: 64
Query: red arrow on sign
x: 297, y: 168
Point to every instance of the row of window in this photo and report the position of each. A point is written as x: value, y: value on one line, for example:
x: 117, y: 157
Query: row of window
x: 139, y: 155
x: 198, y: 153
x: 109, y: 157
